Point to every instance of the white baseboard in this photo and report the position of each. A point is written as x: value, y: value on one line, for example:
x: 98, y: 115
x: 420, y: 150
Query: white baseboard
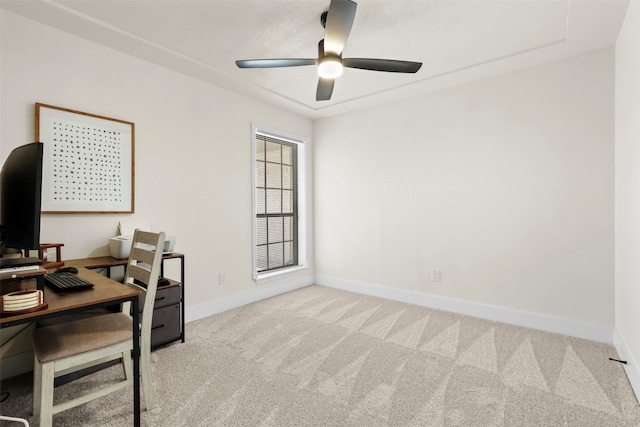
x: 262, y: 292
x: 16, y: 364
x: 16, y: 352
x: 631, y: 367
x: 542, y: 322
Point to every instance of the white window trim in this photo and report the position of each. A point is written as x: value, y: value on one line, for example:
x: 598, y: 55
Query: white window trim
x: 302, y: 201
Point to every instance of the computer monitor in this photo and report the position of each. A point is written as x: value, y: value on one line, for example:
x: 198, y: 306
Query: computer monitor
x: 20, y: 197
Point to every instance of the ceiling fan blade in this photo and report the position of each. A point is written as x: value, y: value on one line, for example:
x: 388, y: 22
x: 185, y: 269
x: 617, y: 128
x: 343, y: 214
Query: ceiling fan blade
x: 275, y: 63
x: 338, y: 26
x: 389, y: 65
x: 325, y: 89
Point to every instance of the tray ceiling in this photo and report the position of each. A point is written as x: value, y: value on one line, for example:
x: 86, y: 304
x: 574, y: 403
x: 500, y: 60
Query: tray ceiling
x: 457, y: 41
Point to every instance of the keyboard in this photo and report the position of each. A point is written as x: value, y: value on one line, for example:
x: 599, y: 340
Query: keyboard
x: 19, y: 269
x: 18, y: 262
x: 63, y: 282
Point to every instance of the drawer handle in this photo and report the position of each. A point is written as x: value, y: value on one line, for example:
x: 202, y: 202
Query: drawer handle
x: 158, y: 327
x: 160, y: 299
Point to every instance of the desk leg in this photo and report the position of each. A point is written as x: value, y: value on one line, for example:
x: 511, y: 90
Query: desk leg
x: 182, y: 290
x: 136, y: 362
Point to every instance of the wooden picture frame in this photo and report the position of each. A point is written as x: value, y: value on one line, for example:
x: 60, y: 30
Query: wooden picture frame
x: 88, y: 164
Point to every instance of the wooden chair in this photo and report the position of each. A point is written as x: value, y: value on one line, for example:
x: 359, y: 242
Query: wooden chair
x: 15, y: 420
x: 68, y: 347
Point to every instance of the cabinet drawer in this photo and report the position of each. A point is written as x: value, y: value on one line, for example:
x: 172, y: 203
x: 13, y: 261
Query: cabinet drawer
x: 168, y: 295
x: 165, y: 326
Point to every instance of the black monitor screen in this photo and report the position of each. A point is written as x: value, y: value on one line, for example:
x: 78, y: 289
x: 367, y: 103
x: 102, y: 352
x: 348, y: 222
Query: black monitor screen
x: 20, y: 196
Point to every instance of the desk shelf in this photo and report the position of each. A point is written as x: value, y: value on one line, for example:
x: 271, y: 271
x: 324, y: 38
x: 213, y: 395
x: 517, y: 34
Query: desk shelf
x: 22, y: 276
x: 168, y: 312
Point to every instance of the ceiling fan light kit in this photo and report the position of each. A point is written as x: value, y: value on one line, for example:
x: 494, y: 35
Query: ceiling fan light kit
x: 330, y: 67
x: 337, y: 22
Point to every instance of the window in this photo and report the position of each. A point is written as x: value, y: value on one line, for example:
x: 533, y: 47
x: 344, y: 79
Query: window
x: 278, y: 203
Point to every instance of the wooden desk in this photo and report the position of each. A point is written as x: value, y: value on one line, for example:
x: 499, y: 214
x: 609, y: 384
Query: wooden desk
x: 105, y: 292
x: 109, y: 261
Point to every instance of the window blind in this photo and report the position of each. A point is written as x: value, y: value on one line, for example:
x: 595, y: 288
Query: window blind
x: 276, y: 203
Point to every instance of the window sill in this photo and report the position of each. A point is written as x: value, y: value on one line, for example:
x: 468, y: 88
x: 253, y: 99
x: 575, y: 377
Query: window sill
x: 266, y: 277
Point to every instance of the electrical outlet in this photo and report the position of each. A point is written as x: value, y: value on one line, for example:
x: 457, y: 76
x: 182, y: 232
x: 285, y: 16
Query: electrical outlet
x: 222, y: 279
x: 436, y: 275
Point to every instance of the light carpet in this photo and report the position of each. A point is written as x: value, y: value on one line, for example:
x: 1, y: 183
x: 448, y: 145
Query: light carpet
x: 324, y: 357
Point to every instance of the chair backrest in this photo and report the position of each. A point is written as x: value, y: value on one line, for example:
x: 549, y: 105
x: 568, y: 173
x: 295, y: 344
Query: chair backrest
x: 143, y: 269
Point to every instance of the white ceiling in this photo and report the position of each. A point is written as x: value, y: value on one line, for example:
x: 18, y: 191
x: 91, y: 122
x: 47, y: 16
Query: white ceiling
x: 457, y: 41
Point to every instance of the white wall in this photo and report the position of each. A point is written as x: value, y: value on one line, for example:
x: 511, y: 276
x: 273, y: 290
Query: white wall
x: 505, y: 185
x: 627, y: 205
x: 192, y: 147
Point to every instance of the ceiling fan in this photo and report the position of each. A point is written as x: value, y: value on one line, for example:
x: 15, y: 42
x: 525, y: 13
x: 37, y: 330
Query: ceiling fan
x: 337, y: 23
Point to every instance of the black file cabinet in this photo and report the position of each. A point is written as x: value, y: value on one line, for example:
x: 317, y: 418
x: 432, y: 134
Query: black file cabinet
x: 167, y: 317
x: 168, y: 311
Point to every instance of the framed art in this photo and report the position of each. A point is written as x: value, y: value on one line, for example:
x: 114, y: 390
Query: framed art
x: 88, y: 164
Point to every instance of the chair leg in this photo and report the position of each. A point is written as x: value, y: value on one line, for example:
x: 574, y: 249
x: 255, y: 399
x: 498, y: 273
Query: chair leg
x: 127, y: 364
x: 46, y: 394
x: 37, y: 384
x: 147, y: 386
